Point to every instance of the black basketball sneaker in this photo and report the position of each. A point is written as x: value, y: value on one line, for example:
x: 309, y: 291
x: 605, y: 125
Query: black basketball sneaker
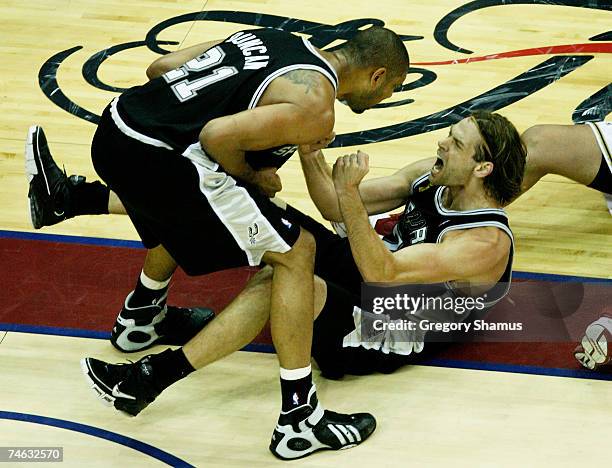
x: 50, y: 188
x: 309, y: 428
x: 139, y: 328
x: 128, y: 387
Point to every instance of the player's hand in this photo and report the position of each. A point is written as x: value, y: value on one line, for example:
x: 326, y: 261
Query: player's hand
x: 268, y: 181
x: 311, y: 148
x: 349, y: 170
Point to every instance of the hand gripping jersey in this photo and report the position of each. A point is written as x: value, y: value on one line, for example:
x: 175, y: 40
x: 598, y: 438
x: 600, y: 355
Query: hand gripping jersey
x: 426, y: 220
x: 231, y: 77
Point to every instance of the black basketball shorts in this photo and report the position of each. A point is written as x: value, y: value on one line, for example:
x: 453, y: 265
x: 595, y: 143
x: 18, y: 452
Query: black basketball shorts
x: 207, y: 220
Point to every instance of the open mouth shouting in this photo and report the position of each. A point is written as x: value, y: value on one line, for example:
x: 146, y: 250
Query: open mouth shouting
x: 437, y: 167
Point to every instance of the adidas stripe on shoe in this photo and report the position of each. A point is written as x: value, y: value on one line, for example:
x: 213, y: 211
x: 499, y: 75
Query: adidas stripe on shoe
x: 309, y: 428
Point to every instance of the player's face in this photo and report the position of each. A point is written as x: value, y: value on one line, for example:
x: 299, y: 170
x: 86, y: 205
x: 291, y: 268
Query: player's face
x: 455, y: 163
x: 372, y: 94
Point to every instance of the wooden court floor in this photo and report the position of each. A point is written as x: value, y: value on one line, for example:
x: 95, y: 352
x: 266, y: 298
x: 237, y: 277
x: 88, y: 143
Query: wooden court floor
x: 79, y: 53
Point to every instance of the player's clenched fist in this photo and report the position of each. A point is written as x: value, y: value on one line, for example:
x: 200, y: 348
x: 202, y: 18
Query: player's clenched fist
x: 350, y: 169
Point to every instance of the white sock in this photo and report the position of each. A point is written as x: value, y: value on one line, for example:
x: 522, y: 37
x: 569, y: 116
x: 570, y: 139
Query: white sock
x: 295, y: 374
x: 153, y: 284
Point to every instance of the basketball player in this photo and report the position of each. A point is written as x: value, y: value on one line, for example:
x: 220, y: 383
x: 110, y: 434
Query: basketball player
x: 452, y: 232
x: 192, y: 155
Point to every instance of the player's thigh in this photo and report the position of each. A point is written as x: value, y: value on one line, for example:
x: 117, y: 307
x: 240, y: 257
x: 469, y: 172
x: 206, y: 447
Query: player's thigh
x: 210, y: 230
x: 567, y: 150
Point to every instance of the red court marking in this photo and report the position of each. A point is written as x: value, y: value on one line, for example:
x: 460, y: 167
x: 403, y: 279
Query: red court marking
x: 589, y: 48
x: 56, y: 284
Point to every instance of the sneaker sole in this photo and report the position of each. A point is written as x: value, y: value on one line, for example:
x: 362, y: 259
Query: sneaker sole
x: 30, y: 160
x: 595, y: 345
x: 102, y: 395
x: 312, y: 450
x: 31, y: 169
x: 319, y: 449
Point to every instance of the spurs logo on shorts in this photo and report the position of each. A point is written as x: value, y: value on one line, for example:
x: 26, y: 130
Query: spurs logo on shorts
x: 253, y: 231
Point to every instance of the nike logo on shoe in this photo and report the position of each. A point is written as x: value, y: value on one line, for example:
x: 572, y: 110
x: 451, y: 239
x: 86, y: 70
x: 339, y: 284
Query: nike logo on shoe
x: 58, y: 214
x: 119, y: 394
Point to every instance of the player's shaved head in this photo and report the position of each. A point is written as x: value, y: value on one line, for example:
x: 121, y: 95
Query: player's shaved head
x: 377, y: 47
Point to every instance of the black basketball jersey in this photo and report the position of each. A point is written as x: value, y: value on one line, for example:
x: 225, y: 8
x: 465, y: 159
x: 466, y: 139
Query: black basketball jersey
x: 171, y: 110
x: 425, y: 219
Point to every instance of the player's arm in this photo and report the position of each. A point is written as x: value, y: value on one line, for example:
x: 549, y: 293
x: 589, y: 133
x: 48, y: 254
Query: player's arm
x: 379, y: 195
x: 467, y: 256
x: 175, y: 59
x: 228, y: 138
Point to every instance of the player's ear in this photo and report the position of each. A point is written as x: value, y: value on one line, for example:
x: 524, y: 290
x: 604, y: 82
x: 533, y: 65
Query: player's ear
x: 377, y: 78
x: 483, y: 169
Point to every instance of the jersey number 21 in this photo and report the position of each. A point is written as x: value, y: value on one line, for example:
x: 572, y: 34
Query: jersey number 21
x: 186, y: 88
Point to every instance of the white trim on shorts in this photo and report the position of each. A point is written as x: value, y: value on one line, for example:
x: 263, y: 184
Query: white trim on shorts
x: 126, y: 130
x: 236, y: 209
x: 603, y: 136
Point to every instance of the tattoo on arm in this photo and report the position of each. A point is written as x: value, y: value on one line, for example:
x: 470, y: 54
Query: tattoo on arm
x: 307, y: 78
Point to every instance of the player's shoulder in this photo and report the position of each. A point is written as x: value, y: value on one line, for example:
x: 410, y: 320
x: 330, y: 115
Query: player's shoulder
x: 494, y: 240
x: 309, y: 86
x: 311, y: 95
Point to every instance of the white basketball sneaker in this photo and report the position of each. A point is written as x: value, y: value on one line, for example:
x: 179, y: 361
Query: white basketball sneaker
x: 595, y: 349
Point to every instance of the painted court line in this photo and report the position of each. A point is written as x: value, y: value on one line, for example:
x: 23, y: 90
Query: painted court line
x: 134, y: 444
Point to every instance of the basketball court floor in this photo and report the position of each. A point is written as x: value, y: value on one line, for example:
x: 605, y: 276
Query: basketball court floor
x: 63, y: 61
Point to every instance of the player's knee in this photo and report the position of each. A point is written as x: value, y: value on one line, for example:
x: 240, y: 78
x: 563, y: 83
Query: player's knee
x: 320, y: 295
x: 302, y: 252
x: 262, y: 276
x: 305, y: 246
x: 532, y: 138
